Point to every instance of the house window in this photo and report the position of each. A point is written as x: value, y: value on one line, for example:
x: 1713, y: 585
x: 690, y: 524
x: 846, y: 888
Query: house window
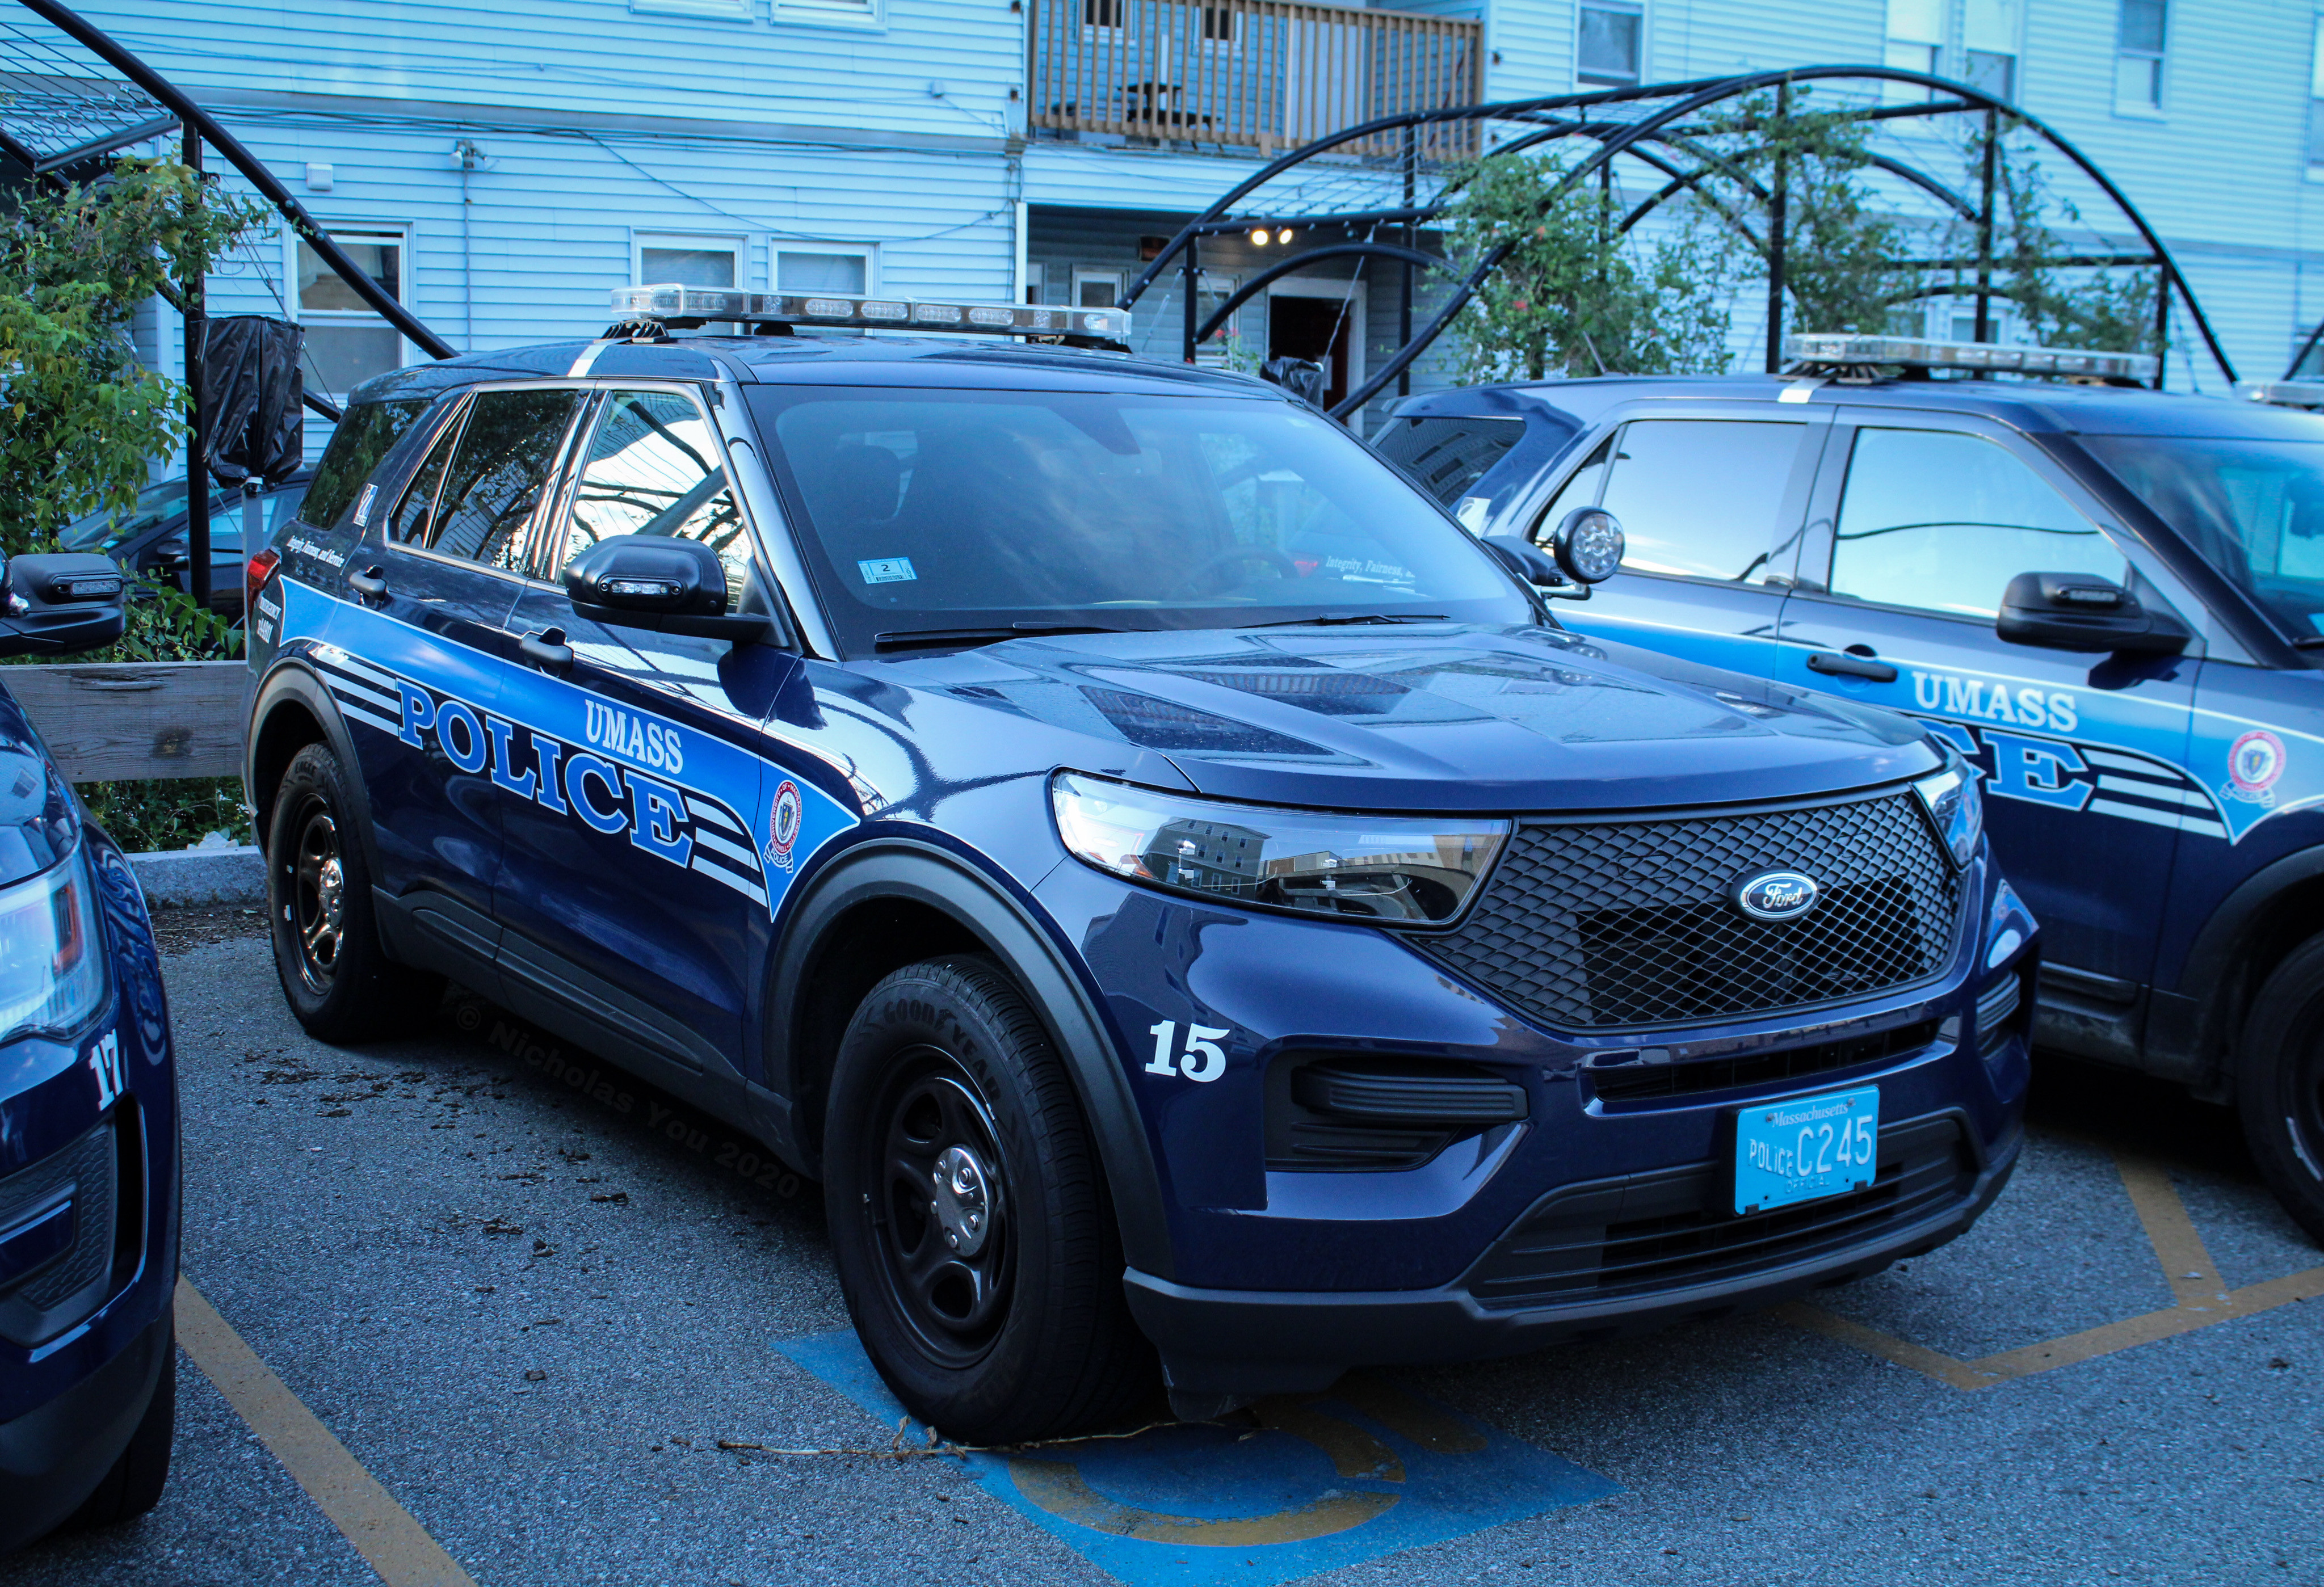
x: 1915, y: 42
x: 1992, y: 72
x: 347, y: 342
x: 1096, y: 288
x: 1607, y: 46
x: 1034, y: 279
x: 1989, y: 33
x: 1222, y: 24
x: 724, y: 9
x: 824, y: 267
x: 829, y: 13
x: 663, y: 259
x: 2316, y: 99
x: 1102, y: 14
x: 2138, y: 56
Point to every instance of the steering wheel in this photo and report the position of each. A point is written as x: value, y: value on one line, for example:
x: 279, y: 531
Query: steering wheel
x: 1233, y: 554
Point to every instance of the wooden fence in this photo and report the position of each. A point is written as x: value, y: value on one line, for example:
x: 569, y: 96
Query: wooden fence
x: 110, y: 720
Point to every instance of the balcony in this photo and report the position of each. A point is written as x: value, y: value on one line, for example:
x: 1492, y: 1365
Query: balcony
x: 1262, y: 75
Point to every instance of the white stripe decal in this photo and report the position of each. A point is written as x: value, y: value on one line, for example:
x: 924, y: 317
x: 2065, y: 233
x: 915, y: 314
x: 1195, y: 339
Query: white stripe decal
x: 2201, y: 824
x: 2155, y: 790
x: 347, y: 709
x: 734, y: 852
x: 2136, y: 765
x: 348, y: 690
x: 712, y: 814
x: 379, y: 676
x: 756, y: 895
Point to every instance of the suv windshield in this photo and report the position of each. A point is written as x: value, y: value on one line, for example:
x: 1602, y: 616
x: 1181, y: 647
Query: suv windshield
x: 2253, y: 509
x: 943, y: 510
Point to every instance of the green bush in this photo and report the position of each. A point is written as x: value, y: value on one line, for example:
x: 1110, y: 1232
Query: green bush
x: 172, y: 813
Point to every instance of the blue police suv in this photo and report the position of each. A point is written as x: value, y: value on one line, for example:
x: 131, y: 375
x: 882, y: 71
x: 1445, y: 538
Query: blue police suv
x: 88, y: 1117
x: 2109, y: 600
x: 1176, y: 892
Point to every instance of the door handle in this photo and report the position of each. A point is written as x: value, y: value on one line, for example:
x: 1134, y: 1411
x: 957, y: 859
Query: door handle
x: 1841, y: 663
x: 370, y: 584
x: 546, y: 651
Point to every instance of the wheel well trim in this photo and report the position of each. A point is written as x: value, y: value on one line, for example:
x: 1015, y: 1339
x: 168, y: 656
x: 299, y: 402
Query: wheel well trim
x: 2209, y: 962
x: 1028, y: 947
x: 289, y: 679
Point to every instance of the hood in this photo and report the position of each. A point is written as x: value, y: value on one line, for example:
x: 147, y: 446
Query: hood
x: 38, y: 822
x: 1435, y: 717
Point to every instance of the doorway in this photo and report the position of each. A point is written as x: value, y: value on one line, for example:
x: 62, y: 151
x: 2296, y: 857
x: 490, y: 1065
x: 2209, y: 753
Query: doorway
x: 1322, y: 320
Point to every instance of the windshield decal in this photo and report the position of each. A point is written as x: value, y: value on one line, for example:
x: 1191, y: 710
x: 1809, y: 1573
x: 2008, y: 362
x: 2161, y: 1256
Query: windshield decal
x: 887, y: 570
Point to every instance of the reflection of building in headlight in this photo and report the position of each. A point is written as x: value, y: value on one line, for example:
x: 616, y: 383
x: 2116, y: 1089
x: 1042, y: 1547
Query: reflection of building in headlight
x: 1208, y: 854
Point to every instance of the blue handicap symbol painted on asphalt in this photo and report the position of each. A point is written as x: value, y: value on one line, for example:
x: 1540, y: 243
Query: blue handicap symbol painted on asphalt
x: 1325, y: 1481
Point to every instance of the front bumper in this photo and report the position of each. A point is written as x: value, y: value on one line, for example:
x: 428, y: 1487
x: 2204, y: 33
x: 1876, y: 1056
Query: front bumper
x: 53, y: 1456
x: 1255, y: 1342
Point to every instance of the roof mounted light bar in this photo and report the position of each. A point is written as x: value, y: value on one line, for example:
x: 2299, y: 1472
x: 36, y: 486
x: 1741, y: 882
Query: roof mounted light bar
x: 2283, y: 393
x: 1830, y: 350
x: 673, y: 304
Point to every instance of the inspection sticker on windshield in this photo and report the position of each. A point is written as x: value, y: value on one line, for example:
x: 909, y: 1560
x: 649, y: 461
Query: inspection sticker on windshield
x: 1802, y: 1148
x: 886, y: 569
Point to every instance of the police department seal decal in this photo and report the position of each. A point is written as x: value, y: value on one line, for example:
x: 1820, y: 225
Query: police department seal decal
x: 2254, y: 762
x: 783, y: 825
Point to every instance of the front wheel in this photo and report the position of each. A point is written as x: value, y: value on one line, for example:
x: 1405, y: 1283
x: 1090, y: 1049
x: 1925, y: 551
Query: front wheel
x: 335, y: 973
x: 2280, y: 1085
x: 969, y: 1217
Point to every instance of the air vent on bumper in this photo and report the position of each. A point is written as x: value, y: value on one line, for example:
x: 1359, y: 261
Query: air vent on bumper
x: 1340, y: 1114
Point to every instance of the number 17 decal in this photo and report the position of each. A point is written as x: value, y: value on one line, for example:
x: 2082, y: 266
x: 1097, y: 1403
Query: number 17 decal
x: 1201, y: 1059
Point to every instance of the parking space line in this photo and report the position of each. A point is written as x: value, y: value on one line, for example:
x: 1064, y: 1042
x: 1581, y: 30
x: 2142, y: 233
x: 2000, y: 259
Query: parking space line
x: 382, y: 1530
x: 2200, y: 1296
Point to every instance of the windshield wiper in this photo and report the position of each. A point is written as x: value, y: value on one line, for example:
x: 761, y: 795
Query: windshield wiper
x: 917, y: 639
x: 1331, y: 619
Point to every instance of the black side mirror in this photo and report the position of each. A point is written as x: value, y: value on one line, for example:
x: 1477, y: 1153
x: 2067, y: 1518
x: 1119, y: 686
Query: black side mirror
x: 2082, y: 612
x: 57, y: 604
x: 662, y: 584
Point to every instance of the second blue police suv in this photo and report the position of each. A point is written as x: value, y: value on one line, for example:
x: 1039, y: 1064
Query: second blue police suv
x: 1178, y: 892
x: 89, y: 1116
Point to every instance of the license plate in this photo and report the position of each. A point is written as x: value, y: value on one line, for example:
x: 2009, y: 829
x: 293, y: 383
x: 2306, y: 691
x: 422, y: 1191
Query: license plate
x: 1804, y: 1148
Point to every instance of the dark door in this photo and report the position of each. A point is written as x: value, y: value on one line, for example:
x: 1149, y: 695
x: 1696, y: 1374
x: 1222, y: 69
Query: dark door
x: 424, y: 647
x: 1317, y: 329
x: 635, y: 878
x: 1711, y: 507
x: 1918, y: 527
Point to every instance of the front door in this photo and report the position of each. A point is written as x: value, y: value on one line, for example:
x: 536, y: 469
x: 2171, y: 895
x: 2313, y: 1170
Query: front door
x: 422, y: 644
x: 1919, y: 524
x: 1710, y: 505
x: 639, y: 867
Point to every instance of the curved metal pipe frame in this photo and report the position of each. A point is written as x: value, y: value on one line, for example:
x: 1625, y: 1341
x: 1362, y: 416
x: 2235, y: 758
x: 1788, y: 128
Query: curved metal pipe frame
x: 1622, y: 138
x: 1277, y: 272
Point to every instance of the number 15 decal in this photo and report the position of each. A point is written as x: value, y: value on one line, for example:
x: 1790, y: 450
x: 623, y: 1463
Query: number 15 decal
x: 1202, y: 1060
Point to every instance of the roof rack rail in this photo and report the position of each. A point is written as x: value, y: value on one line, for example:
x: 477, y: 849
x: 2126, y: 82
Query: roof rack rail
x: 686, y: 306
x: 2283, y: 393
x: 1841, y: 352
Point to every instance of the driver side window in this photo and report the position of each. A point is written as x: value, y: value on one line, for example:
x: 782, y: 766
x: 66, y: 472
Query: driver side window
x: 1941, y: 522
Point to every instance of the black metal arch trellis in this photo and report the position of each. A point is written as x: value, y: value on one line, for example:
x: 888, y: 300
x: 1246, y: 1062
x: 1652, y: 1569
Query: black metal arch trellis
x: 1648, y: 125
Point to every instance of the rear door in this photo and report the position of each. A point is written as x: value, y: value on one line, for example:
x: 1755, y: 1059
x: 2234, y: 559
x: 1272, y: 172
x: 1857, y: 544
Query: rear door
x: 1712, y: 497
x: 1919, y: 523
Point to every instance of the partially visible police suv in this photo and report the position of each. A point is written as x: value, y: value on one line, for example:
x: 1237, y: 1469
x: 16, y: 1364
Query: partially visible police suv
x: 2110, y: 600
x: 1175, y: 889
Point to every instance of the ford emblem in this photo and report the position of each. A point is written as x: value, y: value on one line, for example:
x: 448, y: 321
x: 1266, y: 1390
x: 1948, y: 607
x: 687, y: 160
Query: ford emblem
x: 1776, y: 895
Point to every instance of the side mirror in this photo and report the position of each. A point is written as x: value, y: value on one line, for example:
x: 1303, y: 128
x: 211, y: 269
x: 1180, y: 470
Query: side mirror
x: 57, y: 604
x: 2082, y: 612
x: 661, y: 583
x: 1528, y: 562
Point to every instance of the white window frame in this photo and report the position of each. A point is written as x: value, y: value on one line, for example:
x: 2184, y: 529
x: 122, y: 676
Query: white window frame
x: 1339, y: 292
x: 1638, y: 69
x: 1910, y: 43
x: 709, y: 9
x: 644, y: 237
x: 2161, y: 68
x: 857, y: 16
x: 2315, y: 127
x: 778, y: 246
x: 1083, y: 272
x: 336, y: 229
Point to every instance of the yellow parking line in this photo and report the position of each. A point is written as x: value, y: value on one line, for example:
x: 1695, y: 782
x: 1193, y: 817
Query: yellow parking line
x: 383, y: 1531
x: 2201, y: 1294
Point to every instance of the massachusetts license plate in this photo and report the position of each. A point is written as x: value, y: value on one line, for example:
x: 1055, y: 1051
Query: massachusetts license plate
x: 1804, y: 1148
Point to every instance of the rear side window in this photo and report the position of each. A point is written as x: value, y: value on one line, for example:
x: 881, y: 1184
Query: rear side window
x: 494, y: 484
x: 1445, y: 456
x: 364, y: 436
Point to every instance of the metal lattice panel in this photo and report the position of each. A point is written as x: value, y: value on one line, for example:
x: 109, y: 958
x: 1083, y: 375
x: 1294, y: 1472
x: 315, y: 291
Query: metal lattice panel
x: 1592, y: 928
x: 60, y: 103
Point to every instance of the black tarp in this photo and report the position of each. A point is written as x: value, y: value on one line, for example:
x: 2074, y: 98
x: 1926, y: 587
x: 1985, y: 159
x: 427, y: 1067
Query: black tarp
x: 253, y: 398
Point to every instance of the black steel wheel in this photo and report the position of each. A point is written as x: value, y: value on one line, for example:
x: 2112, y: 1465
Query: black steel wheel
x: 2280, y: 1085
x: 328, y: 954
x: 969, y: 1217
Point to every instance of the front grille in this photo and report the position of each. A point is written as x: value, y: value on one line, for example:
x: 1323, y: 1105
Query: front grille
x: 1594, y: 926
x: 1646, y: 1233
x: 1638, y: 1081
x: 86, y: 1172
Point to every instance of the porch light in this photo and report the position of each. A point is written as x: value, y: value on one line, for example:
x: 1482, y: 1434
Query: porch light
x: 1258, y: 236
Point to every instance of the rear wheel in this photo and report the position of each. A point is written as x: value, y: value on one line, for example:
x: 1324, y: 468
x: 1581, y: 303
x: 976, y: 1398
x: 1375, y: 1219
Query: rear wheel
x: 969, y: 1216
x: 2280, y: 1085
x: 133, y: 1485
x: 336, y: 974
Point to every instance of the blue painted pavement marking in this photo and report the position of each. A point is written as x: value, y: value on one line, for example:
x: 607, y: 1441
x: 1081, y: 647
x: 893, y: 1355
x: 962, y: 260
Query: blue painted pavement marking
x: 1324, y: 1481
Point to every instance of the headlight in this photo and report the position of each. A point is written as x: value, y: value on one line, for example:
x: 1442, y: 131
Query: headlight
x: 52, y: 969
x: 1384, y: 871
x: 1957, y: 805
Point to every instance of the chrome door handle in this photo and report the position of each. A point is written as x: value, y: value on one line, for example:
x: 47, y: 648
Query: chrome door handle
x: 1844, y: 665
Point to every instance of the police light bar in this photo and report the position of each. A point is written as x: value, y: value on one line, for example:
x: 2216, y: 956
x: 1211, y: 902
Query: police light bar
x: 1828, y: 349
x: 674, y: 302
x: 2283, y: 393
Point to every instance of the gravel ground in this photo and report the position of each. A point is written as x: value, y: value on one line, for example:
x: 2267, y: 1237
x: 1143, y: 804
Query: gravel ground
x: 533, y: 1314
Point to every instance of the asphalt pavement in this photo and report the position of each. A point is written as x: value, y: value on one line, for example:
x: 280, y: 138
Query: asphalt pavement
x: 549, y: 1310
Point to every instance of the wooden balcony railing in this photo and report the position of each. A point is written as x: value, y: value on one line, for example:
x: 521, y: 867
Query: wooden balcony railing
x: 1268, y: 75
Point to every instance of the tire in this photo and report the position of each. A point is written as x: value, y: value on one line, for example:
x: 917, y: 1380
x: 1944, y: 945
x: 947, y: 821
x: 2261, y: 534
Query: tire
x: 2280, y: 1085
x: 1016, y: 1327
x: 134, y: 1482
x: 328, y: 954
